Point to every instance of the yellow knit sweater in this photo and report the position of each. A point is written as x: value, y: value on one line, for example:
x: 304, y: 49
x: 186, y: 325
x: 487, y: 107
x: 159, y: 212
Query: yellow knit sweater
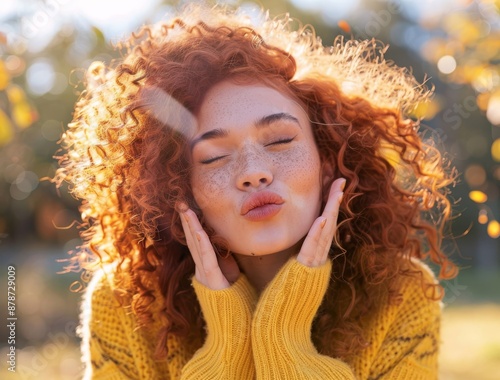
x: 266, y: 337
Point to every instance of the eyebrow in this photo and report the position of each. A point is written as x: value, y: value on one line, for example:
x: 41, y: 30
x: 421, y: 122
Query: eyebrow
x: 264, y: 121
x: 268, y: 120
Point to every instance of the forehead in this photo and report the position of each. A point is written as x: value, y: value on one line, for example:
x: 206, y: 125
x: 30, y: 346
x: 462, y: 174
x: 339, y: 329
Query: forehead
x: 228, y: 104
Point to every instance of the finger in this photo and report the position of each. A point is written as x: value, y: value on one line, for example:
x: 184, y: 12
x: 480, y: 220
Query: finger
x: 210, y: 265
x: 194, y: 248
x: 314, y: 251
x: 207, y: 263
x: 312, y: 244
x: 336, y: 190
x: 331, y: 213
x: 190, y: 239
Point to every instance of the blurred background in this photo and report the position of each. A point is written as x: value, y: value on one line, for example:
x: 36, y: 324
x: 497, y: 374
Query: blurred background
x: 45, y: 46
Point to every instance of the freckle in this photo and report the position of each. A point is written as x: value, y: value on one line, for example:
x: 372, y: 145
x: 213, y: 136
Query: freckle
x: 253, y: 254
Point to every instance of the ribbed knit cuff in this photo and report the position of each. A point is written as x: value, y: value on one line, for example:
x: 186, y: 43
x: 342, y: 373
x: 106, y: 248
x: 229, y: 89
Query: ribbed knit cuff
x: 281, y: 327
x: 289, y: 303
x: 228, y: 308
x: 227, y: 351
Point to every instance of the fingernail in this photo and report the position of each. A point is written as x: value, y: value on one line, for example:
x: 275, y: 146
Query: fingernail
x: 198, y: 236
x: 323, y: 223
x: 342, y: 185
x: 181, y: 207
x: 340, y: 197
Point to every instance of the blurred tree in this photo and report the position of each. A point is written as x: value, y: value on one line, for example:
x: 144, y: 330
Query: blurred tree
x: 15, y: 111
x: 42, y: 62
x: 468, y: 52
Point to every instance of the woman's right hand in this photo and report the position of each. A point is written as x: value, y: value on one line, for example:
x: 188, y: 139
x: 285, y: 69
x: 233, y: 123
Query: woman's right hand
x: 227, y: 301
x: 211, y: 270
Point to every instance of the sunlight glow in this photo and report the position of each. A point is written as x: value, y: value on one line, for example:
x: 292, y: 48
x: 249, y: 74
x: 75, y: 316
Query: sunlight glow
x: 115, y: 17
x: 333, y: 10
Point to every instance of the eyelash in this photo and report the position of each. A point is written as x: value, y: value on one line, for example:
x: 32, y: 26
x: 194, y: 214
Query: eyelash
x: 278, y: 142
x: 210, y: 160
x: 282, y: 141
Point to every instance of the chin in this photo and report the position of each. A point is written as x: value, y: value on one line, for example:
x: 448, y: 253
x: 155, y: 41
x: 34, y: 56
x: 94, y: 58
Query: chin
x: 265, y: 248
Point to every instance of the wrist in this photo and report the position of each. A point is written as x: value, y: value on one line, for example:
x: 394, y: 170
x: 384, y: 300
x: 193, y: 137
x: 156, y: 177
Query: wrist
x: 227, y: 312
x: 289, y: 304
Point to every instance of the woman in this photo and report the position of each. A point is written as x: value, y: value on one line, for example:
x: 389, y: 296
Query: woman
x: 257, y: 206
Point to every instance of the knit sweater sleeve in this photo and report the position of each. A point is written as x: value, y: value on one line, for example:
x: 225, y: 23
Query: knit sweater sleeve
x: 226, y: 353
x: 112, y: 347
x: 281, y: 327
x: 409, y: 348
x: 405, y: 335
x: 105, y: 350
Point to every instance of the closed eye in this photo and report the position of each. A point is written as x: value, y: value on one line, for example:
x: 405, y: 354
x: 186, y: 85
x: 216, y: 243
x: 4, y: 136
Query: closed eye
x: 210, y: 160
x: 282, y: 141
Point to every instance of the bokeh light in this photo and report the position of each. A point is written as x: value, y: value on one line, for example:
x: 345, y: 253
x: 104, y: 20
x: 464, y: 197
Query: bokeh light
x: 483, y: 217
x: 447, y: 64
x: 494, y: 229
x: 40, y: 77
x: 15, y: 65
x: 495, y: 150
x: 478, y: 196
x: 475, y: 175
x: 493, y: 111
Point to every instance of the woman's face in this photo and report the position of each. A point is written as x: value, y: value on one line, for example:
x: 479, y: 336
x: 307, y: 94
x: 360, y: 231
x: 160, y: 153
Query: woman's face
x: 256, y: 168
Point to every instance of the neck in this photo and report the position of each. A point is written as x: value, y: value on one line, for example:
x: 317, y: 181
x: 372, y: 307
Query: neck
x: 260, y: 270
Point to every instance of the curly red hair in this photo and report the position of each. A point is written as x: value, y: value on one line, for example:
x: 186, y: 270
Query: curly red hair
x: 126, y: 159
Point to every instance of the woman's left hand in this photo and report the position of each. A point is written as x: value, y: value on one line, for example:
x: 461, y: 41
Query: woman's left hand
x: 314, y: 251
x: 211, y: 270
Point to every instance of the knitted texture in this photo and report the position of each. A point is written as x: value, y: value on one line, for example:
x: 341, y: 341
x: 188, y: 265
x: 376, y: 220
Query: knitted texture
x: 264, y: 338
x: 227, y: 352
x: 281, y: 328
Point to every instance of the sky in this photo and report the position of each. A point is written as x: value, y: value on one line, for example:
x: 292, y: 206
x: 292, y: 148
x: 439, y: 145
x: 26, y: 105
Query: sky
x: 118, y: 17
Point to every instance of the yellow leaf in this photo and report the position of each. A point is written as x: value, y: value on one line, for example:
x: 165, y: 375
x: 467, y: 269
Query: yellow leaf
x: 427, y: 110
x: 495, y: 149
x: 22, y: 114
x: 473, y: 70
x: 482, y: 100
x: 4, y: 76
x: 15, y: 94
x: 6, y: 129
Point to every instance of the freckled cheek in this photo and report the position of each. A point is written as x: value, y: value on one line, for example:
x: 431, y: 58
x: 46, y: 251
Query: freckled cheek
x: 209, y: 187
x: 303, y: 169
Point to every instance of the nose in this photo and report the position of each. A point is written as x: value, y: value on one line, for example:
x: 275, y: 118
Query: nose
x: 254, y: 172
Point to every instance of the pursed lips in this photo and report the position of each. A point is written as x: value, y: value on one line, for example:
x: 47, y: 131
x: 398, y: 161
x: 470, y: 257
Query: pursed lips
x: 262, y: 198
